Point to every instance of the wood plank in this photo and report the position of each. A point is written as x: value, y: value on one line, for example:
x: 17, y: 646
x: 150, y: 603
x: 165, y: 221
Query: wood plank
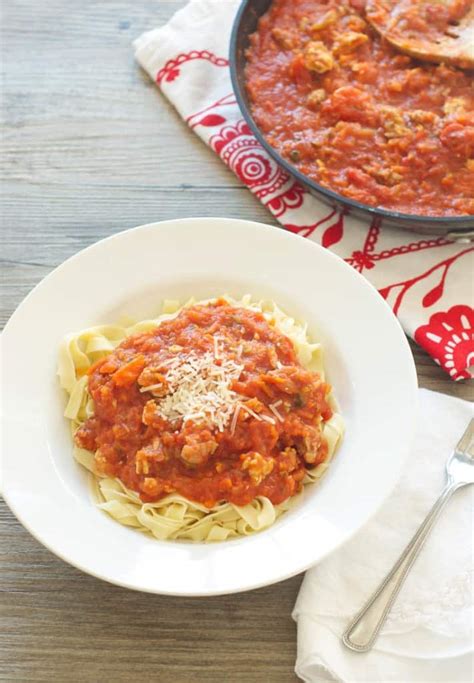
x: 51, y: 223
x: 83, y: 112
x: 432, y: 376
x: 56, y: 620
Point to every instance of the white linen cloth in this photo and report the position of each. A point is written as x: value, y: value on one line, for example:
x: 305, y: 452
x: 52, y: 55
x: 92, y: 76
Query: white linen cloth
x: 426, y: 280
x: 428, y: 637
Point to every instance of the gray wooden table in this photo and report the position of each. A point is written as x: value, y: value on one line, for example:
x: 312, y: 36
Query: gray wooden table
x: 92, y: 148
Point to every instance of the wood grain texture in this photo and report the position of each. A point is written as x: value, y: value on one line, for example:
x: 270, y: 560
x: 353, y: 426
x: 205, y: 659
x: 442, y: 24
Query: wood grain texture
x: 61, y: 625
x: 87, y: 146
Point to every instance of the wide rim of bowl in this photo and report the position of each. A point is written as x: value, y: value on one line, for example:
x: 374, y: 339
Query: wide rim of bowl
x: 279, y: 234
x: 453, y: 222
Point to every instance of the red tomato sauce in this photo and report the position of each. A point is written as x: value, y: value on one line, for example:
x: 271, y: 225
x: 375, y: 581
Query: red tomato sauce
x: 357, y: 117
x: 255, y: 454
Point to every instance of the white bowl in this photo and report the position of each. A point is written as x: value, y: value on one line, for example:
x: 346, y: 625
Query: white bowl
x: 367, y: 358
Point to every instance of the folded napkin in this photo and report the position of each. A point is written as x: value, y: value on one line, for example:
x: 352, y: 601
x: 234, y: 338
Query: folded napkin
x: 426, y: 280
x: 428, y: 635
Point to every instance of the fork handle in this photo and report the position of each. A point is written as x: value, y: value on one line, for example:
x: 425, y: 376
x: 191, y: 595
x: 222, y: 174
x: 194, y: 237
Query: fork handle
x: 364, y: 628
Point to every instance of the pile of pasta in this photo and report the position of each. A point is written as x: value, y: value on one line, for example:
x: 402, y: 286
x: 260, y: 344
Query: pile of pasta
x: 175, y: 517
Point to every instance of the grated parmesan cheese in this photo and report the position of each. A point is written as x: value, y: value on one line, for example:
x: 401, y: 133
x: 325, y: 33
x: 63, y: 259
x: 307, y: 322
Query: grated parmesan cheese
x: 268, y: 419
x: 234, y: 419
x: 216, y: 348
x: 273, y: 407
x: 251, y: 412
x: 198, y: 388
x: 151, y: 387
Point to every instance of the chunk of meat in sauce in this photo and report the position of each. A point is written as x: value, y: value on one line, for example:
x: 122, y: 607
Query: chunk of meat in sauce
x: 318, y: 58
x: 196, y: 451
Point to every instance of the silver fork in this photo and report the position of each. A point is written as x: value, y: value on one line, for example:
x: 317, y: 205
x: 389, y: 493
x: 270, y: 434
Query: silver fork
x: 363, y: 630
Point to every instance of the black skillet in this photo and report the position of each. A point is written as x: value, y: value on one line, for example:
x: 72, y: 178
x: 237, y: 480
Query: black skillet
x: 245, y: 23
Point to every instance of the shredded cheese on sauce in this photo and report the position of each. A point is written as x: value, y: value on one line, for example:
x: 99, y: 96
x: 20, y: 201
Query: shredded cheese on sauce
x: 251, y: 412
x: 234, y: 419
x: 216, y: 348
x: 268, y: 419
x: 242, y: 406
x: 273, y: 407
x: 199, y: 389
x: 150, y: 387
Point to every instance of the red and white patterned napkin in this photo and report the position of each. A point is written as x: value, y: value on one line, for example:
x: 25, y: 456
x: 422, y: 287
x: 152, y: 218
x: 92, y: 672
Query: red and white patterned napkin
x: 427, y: 281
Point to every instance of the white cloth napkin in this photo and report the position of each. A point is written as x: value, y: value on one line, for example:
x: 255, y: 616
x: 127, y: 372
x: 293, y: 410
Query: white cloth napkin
x: 428, y: 637
x: 427, y: 280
